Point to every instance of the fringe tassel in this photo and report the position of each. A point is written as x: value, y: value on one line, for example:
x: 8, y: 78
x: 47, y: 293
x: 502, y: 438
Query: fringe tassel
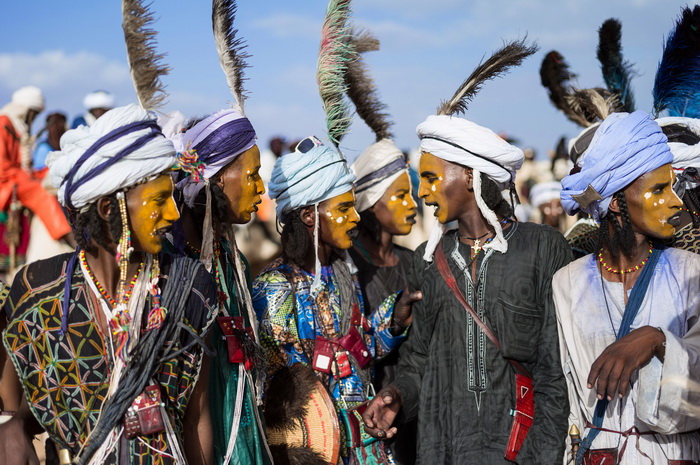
x: 207, y: 232
x: 316, y: 284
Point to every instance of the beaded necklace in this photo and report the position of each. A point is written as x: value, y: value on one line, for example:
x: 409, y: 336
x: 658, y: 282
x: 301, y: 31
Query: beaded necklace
x: 691, y: 212
x: 112, y: 302
x: 632, y: 269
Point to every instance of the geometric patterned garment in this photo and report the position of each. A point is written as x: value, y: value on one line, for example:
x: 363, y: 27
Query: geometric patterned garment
x: 65, y: 378
x: 687, y: 238
x: 291, y: 318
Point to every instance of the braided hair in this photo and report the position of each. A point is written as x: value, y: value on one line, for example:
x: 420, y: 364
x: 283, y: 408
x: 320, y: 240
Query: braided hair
x: 91, y: 229
x: 493, y: 198
x: 295, y: 239
x: 621, y: 239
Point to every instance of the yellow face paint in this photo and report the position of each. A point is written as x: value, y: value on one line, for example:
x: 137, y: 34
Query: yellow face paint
x: 152, y: 211
x: 652, y: 203
x: 396, y: 210
x: 240, y: 180
x: 337, y: 217
x: 432, y: 173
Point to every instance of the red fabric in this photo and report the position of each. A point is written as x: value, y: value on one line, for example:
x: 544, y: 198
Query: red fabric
x: 30, y: 192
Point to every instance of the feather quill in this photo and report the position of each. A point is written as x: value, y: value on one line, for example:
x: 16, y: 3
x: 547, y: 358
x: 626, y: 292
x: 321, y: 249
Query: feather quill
x: 510, y: 55
x: 677, y: 81
x: 361, y: 88
x: 144, y: 62
x: 230, y: 48
x: 617, y: 72
x: 334, y: 54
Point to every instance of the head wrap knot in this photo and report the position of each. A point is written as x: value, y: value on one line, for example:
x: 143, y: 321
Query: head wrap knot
x: 625, y: 146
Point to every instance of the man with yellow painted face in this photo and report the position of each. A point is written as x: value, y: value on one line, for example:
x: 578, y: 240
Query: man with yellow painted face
x: 220, y: 186
x: 459, y: 383
x: 308, y: 302
x: 107, y: 341
x: 628, y: 314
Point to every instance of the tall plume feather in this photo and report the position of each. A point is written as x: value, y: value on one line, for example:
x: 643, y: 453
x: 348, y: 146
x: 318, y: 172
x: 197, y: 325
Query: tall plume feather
x: 510, y: 55
x: 145, y: 63
x: 677, y: 82
x: 617, y: 72
x: 230, y: 48
x: 361, y: 88
x: 557, y: 79
x: 334, y: 55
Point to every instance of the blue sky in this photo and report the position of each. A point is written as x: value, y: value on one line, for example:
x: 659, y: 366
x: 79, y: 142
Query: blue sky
x: 427, y: 49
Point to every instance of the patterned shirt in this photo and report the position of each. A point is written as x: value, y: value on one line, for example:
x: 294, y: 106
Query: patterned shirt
x: 66, y: 377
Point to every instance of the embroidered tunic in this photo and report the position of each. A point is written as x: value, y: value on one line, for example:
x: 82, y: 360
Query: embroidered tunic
x: 66, y: 378
x: 455, y: 380
x: 672, y: 303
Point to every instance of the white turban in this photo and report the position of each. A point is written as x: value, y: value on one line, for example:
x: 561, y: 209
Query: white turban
x: 29, y: 97
x: 460, y: 141
x: 544, y: 192
x: 123, y: 148
x: 684, y: 156
x: 98, y: 99
x: 303, y: 178
x: 376, y: 169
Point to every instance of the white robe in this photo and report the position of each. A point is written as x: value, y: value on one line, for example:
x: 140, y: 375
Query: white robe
x: 672, y: 303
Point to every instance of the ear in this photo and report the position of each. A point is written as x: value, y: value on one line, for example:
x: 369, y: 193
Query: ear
x: 308, y: 217
x: 104, y: 208
x: 219, y: 181
x: 469, y: 178
x: 614, y: 206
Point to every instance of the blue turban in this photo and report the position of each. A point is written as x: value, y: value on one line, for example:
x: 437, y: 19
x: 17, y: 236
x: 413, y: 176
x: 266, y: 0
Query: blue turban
x: 309, y: 175
x: 625, y: 146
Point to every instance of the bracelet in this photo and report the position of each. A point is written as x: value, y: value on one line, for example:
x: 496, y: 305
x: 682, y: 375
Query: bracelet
x: 663, y: 344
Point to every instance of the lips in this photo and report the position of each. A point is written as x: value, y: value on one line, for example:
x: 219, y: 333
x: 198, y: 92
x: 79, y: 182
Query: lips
x: 675, y: 220
x: 411, y: 219
x: 353, y: 233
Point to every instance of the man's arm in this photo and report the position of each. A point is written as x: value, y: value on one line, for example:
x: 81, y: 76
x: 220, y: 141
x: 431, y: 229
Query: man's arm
x: 198, y: 434
x: 545, y: 441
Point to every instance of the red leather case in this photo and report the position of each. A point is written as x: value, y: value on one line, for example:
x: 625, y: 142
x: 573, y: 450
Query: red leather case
x: 522, y: 415
x: 323, y: 355
x: 144, y: 416
x: 353, y: 343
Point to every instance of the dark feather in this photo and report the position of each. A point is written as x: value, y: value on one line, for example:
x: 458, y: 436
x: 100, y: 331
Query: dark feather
x: 230, y: 48
x: 361, y: 88
x: 287, y: 394
x: 677, y: 82
x: 617, y: 72
x: 556, y: 78
x: 284, y: 455
x: 510, y: 55
x: 145, y: 64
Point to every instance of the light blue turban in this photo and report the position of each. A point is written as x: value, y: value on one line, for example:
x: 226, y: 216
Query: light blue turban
x: 309, y: 175
x: 625, y: 146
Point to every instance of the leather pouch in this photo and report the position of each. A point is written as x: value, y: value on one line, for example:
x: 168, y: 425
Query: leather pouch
x: 144, y: 417
x: 600, y: 457
x: 353, y: 343
x: 355, y: 427
x: 522, y: 415
x: 323, y: 355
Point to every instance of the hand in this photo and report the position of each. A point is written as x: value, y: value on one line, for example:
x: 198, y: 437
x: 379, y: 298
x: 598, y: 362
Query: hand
x: 614, y: 368
x: 15, y: 445
x: 402, y: 309
x: 381, y: 412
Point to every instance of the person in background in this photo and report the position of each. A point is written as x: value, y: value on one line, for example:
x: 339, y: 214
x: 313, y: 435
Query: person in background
x: 54, y: 129
x: 96, y: 104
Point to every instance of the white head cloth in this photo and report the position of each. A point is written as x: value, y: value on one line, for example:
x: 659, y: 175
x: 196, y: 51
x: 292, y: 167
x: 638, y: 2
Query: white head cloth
x: 461, y: 141
x: 368, y: 165
x: 196, y: 134
x: 544, y: 192
x: 684, y: 156
x: 99, y: 99
x: 23, y: 99
x: 154, y: 157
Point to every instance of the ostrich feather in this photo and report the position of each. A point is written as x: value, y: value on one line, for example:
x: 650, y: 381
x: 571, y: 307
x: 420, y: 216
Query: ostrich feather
x: 594, y: 104
x: 361, y: 88
x: 144, y: 62
x: 617, y: 72
x: 230, y: 48
x: 334, y: 54
x: 677, y: 82
x: 556, y: 78
x: 510, y: 55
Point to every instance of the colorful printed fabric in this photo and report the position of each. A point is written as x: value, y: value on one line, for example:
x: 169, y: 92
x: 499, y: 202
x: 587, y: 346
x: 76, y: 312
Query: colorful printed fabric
x: 291, y: 318
x: 66, y: 378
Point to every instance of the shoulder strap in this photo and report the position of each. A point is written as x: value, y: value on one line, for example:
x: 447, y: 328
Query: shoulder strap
x: 446, y: 273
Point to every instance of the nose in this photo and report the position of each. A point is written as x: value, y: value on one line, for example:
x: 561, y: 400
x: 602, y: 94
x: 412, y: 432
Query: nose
x: 171, y: 213
x: 353, y: 216
x: 260, y: 186
x: 675, y: 202
x: 412, y: 205
x: 422, y: 189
